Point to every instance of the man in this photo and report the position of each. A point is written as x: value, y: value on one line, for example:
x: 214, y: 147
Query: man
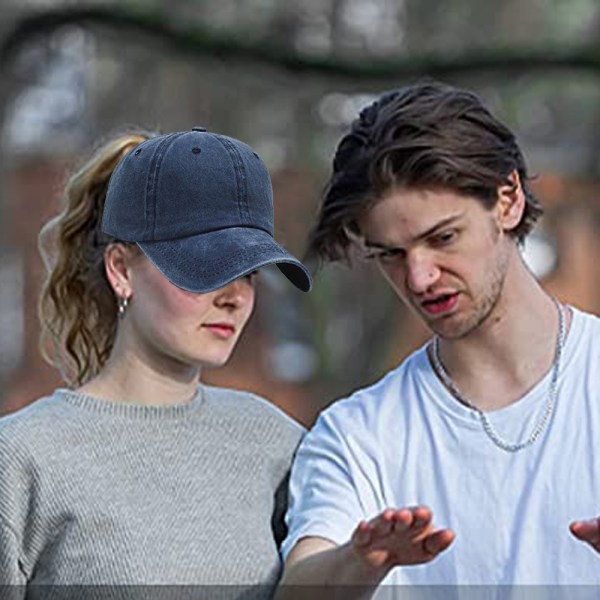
x: 473, y: 462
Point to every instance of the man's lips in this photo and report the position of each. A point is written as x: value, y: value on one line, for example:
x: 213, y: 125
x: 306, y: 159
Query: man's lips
x: 439, y: 303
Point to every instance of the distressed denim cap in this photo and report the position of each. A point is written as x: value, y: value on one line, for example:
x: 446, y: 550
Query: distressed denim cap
x: 200, y: 207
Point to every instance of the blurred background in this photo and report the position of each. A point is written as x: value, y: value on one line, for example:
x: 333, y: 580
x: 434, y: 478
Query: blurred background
x: 288, y: 77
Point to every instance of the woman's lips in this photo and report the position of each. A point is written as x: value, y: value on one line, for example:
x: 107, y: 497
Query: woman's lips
x: 221, y: 330
x: 441, y: 304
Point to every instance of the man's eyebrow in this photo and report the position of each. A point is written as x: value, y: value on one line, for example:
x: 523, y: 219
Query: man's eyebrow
x: 443, y: 223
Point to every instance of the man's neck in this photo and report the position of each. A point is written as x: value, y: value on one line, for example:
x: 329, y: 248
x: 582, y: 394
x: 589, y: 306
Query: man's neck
x: 511, y: 351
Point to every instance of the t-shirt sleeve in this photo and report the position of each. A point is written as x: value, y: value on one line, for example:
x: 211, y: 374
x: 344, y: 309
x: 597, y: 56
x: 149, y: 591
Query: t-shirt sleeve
x: 323, y: 500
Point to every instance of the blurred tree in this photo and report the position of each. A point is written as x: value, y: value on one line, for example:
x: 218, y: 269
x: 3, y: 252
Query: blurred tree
x: 288, y: 77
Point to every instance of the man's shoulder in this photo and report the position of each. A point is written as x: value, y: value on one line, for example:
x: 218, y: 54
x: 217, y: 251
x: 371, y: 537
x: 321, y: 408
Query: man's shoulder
x: 584, y: 333
x: 587, y: 318
x: 371, y: 399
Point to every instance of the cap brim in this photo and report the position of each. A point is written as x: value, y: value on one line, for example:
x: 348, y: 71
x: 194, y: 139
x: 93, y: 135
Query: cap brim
x: 206, y: 262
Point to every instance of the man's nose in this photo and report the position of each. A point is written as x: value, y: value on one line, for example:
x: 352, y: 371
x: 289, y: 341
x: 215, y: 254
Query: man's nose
x: 421, y: 273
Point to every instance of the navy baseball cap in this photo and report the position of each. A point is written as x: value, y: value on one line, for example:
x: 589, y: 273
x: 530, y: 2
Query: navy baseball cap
x: 200, y: 207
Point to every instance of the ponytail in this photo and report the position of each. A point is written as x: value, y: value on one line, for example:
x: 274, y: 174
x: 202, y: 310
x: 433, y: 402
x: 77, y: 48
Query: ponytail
x: 77, y: 308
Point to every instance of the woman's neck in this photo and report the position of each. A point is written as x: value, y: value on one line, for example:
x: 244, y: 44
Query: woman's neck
x: 135, y: 378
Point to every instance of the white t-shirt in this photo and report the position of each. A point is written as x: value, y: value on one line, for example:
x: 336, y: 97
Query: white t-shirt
x: 407, y: 441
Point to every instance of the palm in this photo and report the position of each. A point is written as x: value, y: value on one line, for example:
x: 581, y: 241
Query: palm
x: 400, y: 537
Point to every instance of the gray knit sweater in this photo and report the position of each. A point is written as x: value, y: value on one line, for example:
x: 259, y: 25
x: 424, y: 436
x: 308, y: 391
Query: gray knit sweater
x: 96, y: 492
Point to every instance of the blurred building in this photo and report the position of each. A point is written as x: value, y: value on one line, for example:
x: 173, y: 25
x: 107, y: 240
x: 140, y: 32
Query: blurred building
x: 65, y: 88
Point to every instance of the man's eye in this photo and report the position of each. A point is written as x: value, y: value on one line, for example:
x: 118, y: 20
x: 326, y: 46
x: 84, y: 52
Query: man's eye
x: 445, y: 237
x: 384, y: 256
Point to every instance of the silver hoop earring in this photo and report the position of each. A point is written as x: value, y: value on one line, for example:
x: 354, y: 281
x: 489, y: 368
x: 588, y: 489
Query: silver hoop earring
x: 122, y: 303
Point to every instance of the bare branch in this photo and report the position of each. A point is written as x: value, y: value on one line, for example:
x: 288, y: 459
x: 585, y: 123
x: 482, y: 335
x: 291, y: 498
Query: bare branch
x: 198, y: 39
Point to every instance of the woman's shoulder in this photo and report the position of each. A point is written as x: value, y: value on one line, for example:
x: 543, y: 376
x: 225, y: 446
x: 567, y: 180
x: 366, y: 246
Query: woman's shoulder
x: 29, y: 434
x: 29, y: 421
x: 257, y: 416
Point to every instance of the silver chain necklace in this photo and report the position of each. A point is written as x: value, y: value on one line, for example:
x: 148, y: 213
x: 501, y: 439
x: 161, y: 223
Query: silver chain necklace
x: 485, y: 422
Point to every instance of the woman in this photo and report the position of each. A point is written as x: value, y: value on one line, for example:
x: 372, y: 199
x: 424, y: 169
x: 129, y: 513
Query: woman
x: 138, y: 474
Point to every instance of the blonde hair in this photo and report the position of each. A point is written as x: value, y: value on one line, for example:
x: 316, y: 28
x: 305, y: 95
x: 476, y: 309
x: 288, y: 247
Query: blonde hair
x: 78, y: 308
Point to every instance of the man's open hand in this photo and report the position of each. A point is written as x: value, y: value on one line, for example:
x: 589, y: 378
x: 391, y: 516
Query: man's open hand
x: 398, y: 537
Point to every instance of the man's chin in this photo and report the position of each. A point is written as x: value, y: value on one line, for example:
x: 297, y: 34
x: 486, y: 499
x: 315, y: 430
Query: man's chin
x: 449, y: 327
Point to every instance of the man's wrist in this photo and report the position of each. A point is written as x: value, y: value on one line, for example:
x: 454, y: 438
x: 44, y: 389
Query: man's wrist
x: 365, y: 571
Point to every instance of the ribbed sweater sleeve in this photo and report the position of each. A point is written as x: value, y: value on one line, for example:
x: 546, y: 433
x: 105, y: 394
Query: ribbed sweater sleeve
x: 13, y: 505
x: 10, y: 558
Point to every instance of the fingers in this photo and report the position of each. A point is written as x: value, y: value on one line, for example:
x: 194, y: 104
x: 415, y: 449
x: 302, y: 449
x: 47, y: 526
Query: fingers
x: 401, y: 519
x: 587, y: 531
x: 362, y: 535
x: 422, y: 517
x: 438, y: 541
x: 383, y: 524
x: 379, y: 527
x: 413, y: 520
x: 406, y: 527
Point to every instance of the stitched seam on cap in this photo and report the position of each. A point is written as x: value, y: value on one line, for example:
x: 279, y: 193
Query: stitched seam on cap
x: 241, y: 180
x: 243, y: 255
x: 211, y: 230
x: 152, y: 182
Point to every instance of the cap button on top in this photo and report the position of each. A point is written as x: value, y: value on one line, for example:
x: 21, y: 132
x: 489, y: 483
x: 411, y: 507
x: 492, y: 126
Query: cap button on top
x: 198, y: 128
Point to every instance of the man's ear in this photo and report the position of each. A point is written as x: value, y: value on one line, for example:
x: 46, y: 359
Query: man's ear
x: 511, y: 202
x: 117, y: 261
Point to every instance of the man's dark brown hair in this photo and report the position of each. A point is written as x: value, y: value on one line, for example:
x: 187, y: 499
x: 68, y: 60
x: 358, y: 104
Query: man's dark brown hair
x: 427, y: 135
